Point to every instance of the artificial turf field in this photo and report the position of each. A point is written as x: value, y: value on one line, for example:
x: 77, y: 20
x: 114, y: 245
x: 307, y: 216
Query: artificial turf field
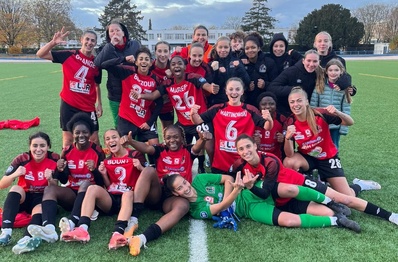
x: 369, y: 151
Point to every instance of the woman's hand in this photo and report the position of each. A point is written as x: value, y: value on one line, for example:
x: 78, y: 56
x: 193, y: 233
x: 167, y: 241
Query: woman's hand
x: 144, y: 126
x: 290, y: 131
x: 130, y: 59
x: 101, y: 168
x: 59, y: 36
x: 261, y: 83
x: 238, y: 183
x: 90, y: 165
x: 61, y: 164
x: 249, y: 179
x: 21, y: 171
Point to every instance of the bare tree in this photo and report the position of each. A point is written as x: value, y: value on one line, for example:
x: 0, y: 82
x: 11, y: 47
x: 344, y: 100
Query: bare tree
x: 49, y: 16
x: 392, y: 25
x: 13, y: 21
x: 232, y: 22
x: 373, y: 17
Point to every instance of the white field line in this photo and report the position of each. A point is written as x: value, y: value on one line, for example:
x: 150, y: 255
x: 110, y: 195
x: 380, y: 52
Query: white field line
x: 197, y: 232
x: 197, y: 241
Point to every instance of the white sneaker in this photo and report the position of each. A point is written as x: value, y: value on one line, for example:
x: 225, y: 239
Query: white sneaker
x: 367, y: 184
x: 94, y: 215
x: 26, y: 244
x: 393, y: 218
x: 65, y: 226
x: 46, y: 233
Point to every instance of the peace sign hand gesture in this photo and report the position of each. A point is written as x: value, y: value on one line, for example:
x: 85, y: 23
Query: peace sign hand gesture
x: 59, y: 36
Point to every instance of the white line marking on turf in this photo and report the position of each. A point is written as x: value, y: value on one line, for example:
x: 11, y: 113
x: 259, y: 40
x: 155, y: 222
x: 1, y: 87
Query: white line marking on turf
x: 386, y: 77
x: 197, y: 241
x: 11, y: 78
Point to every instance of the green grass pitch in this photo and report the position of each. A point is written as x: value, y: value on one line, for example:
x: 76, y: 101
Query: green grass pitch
x: 369, y: 151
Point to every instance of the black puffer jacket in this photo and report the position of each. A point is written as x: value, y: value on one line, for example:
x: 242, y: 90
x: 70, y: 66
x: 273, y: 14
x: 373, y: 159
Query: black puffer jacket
x: 286, y: 60
x: 114, y: 84
x: 293, y: 76
x: 325, y: 59
x: 265, y: 69
x: 221, y: 78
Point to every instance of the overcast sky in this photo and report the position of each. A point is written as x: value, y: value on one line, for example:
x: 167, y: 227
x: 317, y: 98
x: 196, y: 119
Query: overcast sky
x: 165, y: 14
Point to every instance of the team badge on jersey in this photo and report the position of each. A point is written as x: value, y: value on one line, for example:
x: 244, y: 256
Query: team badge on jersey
x: 167, y: 160
x: 9, y: 169
x: 203, y: 214
x: 263, y: 68
x: 71, y: 164
x: 202, y: 80
x: 286, y: 65
x: 210, y: 189
x: 298, y: 136
x: 299, y: 81
x: 29, y: 176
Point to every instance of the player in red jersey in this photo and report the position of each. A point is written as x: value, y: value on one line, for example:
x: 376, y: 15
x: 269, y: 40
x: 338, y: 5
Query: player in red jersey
x: 33, y: 170
x: 161, y: 68
x: 280, y: 183
x: 196, y: 64
x: 126, y: 184
x: 270, y: 140
x: 81, y: 81
x: 174, y: 156
x: 78, y: 168
x: 309, y: 129
x: 184, y: 91
x: 200, y: 35
x: 135, y: 114
x: 230, y: 120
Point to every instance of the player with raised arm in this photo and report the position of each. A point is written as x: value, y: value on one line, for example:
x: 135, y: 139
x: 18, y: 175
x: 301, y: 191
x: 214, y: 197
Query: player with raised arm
x: 81, y: 81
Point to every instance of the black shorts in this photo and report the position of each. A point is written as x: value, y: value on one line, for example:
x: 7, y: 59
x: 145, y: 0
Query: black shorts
x: 124, y: 127
x: 190, y: 132
x: 67, y: 112
x: 295, y: 206
x: 31, y: 200
x: 169, y: 116
x: 219, y: 171
x: 327, y: 168
x: 116, y: 204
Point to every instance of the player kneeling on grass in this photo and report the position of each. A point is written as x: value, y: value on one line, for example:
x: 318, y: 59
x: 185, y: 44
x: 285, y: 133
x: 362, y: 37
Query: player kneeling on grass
x: 210, y: 194
x: 123, y: 170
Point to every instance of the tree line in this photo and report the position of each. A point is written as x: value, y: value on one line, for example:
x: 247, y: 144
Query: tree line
x: 25, y: 23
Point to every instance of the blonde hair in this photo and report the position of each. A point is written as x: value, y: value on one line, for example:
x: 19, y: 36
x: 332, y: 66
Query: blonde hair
x: 310, y: 112
x: 327, y: 35
x: 213, y: 52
